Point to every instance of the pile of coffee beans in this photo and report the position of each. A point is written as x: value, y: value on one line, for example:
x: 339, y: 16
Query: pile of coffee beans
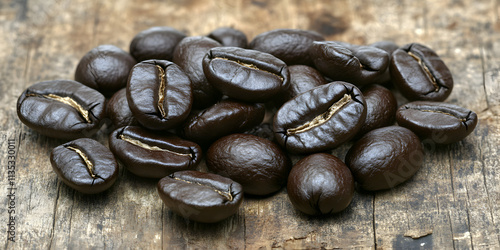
x: 249, y: 106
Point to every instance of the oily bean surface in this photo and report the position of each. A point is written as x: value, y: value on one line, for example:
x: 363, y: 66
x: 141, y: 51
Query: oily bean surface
x: 153, y: 155
x: 259, y: 165
x: 201, y: 197
x: 223, y: 118
x: 385, y: 157
x: 302, y: 78
x: 356, y: 64
x: 320, y: 184
x: 85, y: 165
x: 188, y: 54
x: 118, y: 111
x: 290, y: 45
x: 229, y: 37
x: 61, y: 109
x: 159, y: 94
x: 439, y: 122
x: 105, y: 68
x: 244, y: 74
x: 381, y: 106
x: 320, y: 119
x: 419, y: 73
x: 155, y: 43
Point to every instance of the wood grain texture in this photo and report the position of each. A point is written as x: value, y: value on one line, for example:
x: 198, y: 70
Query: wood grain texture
x: 453, y: 202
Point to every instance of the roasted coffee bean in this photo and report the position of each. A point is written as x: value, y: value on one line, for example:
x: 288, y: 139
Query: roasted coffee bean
x: 320, y: 119
x: 244, y: 74
x: 201, y: 197
x: 105, y: 68
x: 155, y: 43
x: 118, y: 110
x: 189, y: 55
x: 320, y: 184
x: 419, y: 73
x: 259, y: 165
x: 62, y: 109
x: 290, y: 45
x: 302, y: 78
x: 439, y: 122
x: 359, y: 65
x: 387, y: 46
x: 85, y: 165
x: 229, y: 37
x: 223, y: 118
x: 385, y: 157
x: 159, y: 94
x: 381, y: 106
x: 153, y: 155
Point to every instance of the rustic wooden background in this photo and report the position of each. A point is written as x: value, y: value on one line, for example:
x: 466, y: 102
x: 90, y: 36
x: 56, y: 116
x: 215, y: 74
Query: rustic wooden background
x: 452, y: 202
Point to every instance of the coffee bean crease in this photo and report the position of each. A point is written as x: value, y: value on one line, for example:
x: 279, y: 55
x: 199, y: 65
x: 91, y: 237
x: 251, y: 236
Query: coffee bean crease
x: 68, y: 101
x: 88, y: 163
x: 225, y: 194
x: 149, y: 147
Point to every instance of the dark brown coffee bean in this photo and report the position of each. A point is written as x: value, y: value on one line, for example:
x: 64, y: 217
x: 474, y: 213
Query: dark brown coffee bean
x: 229, y: 37
x: 359, y: 65
x: 302, y: 78
x: 118, y: 110
x: 290, y: 45
x: 153, y: 155
x: 223, y: 118
x: 245, y: 74
x: 320, y: 184
x: 259, y: 165
x: 85, y: 165
x: 438, y: 122
x: 62, y: 109
x: 105, y: 68
x: 189, y: 55
x: 159, y: 94
x: 381, y: 106
x: 385, y: 157
x: 155, y: 43
x: 320, y: 119
x: 201, y: 197
x: 419, y: 73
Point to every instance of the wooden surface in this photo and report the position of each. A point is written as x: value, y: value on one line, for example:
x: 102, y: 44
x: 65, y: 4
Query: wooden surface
x: 453, y: 202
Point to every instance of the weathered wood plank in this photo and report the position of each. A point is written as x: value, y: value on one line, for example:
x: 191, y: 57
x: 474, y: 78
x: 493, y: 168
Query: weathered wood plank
x: 452, y: 202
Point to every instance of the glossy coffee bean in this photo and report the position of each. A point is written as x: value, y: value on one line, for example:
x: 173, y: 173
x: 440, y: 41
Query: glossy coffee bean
x: 244, y: 74
x: 229, y: 37
x: 259, y: 165
x: 189, y: 55
x: 302, y: 78
x: 105, y: 68
x: 387, y: 46
x: 320, y: 184
x: 153, y: 155
x: 155, y: 43
x: 320, y: 119
x: 438, y: 122
x: 223, y: 118
x: 290, y: 45
x: 385, y: 157
x: 159, y: 94
x: 62, y: 109
x: 85, y: 165
x: 381, y: 106
x: 118, y: 111
x: 419, y: 73
x: 201, y: 197
x: 359, y: 65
